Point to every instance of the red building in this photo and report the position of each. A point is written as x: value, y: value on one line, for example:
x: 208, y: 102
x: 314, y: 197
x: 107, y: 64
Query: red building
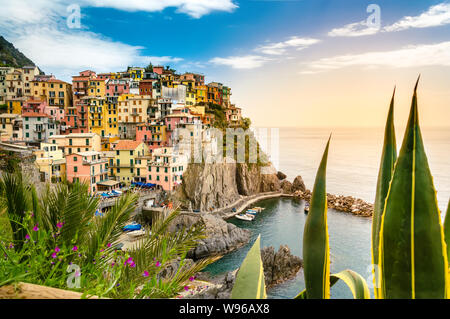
x: 146, y: 87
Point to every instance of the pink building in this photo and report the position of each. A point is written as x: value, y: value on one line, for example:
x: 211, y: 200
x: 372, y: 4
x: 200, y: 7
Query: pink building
x: 87, y: 167
x: 56, y: 112
x: 34, y: 105
x: 166, y: 168
x: 117, y: 87
x: 154, y: 135
x: 172, y: 121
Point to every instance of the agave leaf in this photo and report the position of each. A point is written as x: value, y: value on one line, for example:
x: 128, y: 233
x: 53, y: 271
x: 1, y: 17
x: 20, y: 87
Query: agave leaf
x: 316, y: 253
x: 447, y: 229
x: 412, y: 254
x: 386, y: 170
x: 354, y: 281
x: 250, y: 282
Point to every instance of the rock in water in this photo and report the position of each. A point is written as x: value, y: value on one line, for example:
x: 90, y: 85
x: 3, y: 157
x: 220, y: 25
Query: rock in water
x: 286, y: 186
x: 221, y: 237
x: 298, y: 184
x: 281, y: 176
x: 279, y: 266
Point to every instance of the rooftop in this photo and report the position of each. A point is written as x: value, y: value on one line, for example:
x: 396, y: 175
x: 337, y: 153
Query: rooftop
x: 127, y: 145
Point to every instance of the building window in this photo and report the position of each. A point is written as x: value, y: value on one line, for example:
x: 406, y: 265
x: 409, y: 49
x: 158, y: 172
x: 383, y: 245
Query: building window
x: 75, y: 169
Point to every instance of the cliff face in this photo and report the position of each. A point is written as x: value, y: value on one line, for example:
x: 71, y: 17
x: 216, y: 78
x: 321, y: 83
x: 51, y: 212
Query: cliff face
x: 221, y: 237
x: 210, y: 186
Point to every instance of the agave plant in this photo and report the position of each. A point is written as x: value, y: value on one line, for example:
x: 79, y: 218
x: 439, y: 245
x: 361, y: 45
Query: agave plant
x: 410, y: 246
x: 412, y: 253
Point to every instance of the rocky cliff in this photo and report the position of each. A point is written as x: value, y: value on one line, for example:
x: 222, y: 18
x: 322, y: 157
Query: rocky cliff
x: 221, y: 237
x: 210, y: 186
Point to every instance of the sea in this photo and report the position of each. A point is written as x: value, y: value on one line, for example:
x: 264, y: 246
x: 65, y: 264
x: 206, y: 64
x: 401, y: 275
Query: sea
x: 353, y: 164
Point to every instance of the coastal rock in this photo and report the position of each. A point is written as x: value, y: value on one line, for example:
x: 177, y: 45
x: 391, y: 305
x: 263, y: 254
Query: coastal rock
x: 298, y: 184
x: 248, y: 179
x: 210, y: 186
x: 281, y: 176
x: 221, y: 237
x: 215, y: 185
x: 279, y: 266
x: 347, y: 204
x: 286, y: 187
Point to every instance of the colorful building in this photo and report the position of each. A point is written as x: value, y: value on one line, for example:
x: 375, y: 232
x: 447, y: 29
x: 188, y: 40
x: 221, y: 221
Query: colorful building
x: 152, y: 134
x: 51, y: 162
x: 87, y: 167
x: 77, y: 142
x: 55, y: 92
x: 166, y: 168
x: 10, y: 127
x: 38, y: 127
x: 124, y: 165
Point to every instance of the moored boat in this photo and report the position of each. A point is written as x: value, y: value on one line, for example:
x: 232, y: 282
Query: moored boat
x: 245, y: 217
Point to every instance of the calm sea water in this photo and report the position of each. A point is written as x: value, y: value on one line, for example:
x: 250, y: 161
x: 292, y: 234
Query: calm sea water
x: 352, y: 170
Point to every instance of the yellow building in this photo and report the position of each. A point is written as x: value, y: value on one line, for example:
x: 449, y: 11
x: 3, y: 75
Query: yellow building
x: 10, y: 127
x: 96, y: 87
x: 14, y: 105
x: 55, y: 92
x: 124, y: 165
x: 51, y: 162
x: 77, y: 142
x: 136, y: 73
x: 201, y: 94
x: 133, y: 108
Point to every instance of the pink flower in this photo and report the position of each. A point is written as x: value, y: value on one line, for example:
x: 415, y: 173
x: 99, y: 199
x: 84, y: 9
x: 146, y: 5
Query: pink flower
x: 146, y: 274
x: 57, y: 249
x: 54, y: 255
x: 36, y: 228
x: 102, y: 250
x: 191, y: 279
x: 158, y: 264
x: 186, y: 288
x: 75, y: 248
x: 132, y: 264
x: 59, y: 225
x: 109, y: 245
x: 27, y: 236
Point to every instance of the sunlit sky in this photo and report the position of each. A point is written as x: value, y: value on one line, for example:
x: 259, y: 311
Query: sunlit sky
x: 305, y: 63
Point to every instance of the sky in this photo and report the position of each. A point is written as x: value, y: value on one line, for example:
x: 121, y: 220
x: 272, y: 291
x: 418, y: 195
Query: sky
x: 290, y: 63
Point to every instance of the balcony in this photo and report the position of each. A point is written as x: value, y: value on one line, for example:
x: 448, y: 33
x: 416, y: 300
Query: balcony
x: 39, y: 130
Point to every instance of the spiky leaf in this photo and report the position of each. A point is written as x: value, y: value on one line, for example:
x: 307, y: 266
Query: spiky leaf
x: 412, y: 254
x: 354, y: 281
x: 250, y: 282
x: 316, y: 253
x: 388, y: 159
x: 447, y: 229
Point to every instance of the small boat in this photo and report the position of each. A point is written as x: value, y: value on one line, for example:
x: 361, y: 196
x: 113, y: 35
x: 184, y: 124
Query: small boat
x: 258, y: 209
x: 245, y: 217
x: 306, y: 208
x: 251, y: 212
x: 132, y: 227
x: 136, y: 233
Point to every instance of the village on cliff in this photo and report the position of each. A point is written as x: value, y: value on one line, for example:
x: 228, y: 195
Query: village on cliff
x: 111, y: 130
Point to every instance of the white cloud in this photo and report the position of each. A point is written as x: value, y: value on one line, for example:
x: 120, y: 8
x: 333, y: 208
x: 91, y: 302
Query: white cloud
x: 280, y: 48
x: 435, y: 16
x: 408, y: 57
x: 354, y: 30
x: 38, y: 29
x: 241, y: 62
x: 193, y: 8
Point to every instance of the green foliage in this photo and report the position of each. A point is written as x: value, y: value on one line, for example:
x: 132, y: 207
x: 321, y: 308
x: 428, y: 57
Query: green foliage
x: 316, y: 254
x: 412, y: 256
x: 10, y: 56
x: 388, y: 159
x: 412, y: 251
x: 250, y: 283
x: 59, y: 228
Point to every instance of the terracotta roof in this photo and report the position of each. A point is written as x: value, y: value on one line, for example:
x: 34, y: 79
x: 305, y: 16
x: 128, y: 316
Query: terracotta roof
x: 127, y: 145
x: 35, y: 114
